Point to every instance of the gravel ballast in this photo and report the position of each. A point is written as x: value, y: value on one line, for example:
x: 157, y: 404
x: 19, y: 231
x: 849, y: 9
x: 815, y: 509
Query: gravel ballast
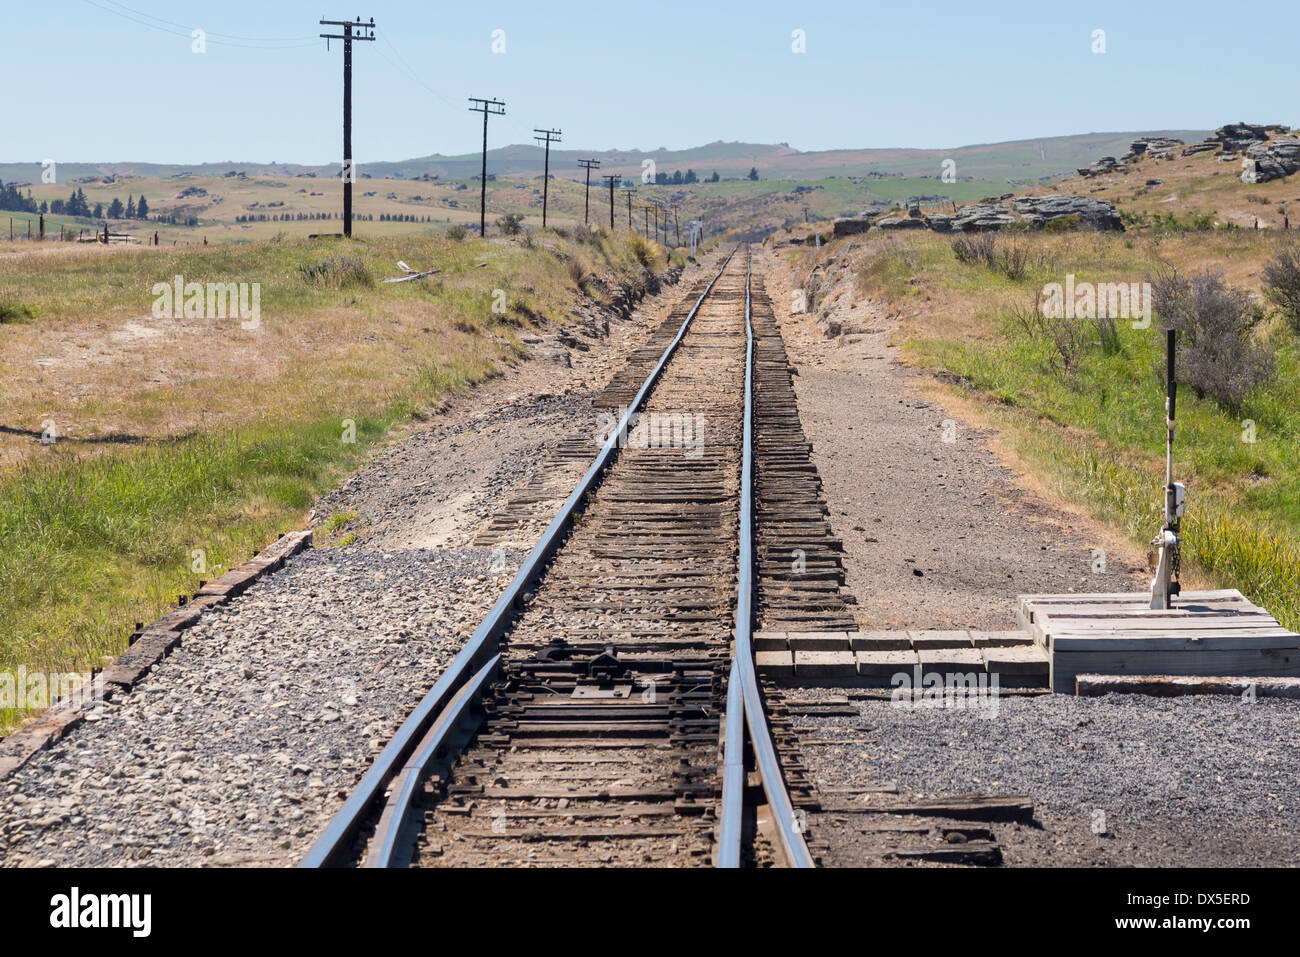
x: 245, y: 738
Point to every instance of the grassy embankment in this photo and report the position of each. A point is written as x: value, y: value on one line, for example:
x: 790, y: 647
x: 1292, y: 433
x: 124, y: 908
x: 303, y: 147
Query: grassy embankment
x: 177, y: 435
x: 1095, y: 434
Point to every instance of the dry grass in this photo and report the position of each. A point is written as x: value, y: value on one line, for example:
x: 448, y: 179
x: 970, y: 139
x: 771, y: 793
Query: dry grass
x: 185, y: 434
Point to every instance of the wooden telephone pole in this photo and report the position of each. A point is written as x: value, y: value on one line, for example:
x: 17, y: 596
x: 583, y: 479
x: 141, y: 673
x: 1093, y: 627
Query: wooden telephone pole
x: 548, y: 137
x: 352, y: 30
x: 487, y: 108
x: 588, y: 165
x: 613, y: 179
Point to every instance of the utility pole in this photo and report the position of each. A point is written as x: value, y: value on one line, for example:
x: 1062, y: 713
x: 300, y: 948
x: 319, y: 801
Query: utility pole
x: 613, y: 180
x: 364, y: 31
x: 646, y: 207
x: 487, y: 108
x: 805, y: 214
x: 629, y: 211
x: 588, y: 165
x: 549, y: 137
x: 677, y: 223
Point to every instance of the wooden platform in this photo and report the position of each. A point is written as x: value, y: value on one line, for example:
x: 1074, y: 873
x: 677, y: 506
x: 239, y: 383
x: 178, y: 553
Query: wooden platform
x: 1207, y: 633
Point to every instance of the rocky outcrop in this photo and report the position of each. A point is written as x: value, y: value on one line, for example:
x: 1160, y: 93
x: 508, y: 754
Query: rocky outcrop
x: 978, y: 217
x: 1157, y: 147
x: 1271, y: 160
x: 901, y: 222
x: 1239, y: 137
x: 1206, y: 147
x: 1036, y: 211
x: 1107, y: 164
x: 851, y: 226
x: 1041, y: 210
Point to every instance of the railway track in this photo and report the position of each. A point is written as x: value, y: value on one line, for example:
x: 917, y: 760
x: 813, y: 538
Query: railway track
x: 607, y: 711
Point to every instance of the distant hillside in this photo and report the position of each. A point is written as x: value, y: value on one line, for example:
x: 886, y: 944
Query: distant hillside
x: 1017, y: 161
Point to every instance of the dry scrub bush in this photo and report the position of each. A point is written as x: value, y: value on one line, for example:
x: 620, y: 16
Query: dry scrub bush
x: 1218, y: 355
x: 337, y: 272
x: 1282, y: 283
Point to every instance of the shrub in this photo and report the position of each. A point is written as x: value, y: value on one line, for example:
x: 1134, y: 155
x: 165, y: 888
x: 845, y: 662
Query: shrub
x: 1218, y: 355
x: 1282, y: 283
x: 511, y: 224
x: 1068, y: 335
x: 337, y: 272
x: 457, y: 232
x: 983, y: 249
x: 11, y: 311
x: 643, y: 250
x: 1062, y: 224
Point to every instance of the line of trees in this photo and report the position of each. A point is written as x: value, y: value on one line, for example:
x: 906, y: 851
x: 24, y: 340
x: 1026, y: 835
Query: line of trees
x: 677, y: 178
x: 11, y: 198
x: 303, y: 217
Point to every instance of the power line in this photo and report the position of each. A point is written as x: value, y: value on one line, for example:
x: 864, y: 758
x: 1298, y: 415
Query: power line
x: 487, y: 108
x: 365, y: 31
x: 548, y: 137
x: 405, y: 65
x: 181, y: 30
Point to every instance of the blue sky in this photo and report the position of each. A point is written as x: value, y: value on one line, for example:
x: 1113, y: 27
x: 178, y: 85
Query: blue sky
x: 87, y: 82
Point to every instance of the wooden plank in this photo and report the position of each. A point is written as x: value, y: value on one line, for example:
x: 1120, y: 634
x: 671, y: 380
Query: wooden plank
x: 1164, y: 686
x: 1230, y: 594
x: 818, y: 641
x: 1000, y: 639
x: 880, y: 641
x: 769, y: 641
x: 1030, y: 660
x: 940, y: 639
x: 1211, y: 662
x: 886, y: 664
x: 968, y: 807
x: 779, y: 664
x: 1195, y: 642
x: 951, y: 660
x: 825, y: 664
x: 985, y: 853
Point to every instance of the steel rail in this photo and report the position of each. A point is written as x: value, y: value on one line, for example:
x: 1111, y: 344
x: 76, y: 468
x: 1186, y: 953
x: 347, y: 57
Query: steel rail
x: 333, y: 845
x: 746, y: 709
x: 393, y: 822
